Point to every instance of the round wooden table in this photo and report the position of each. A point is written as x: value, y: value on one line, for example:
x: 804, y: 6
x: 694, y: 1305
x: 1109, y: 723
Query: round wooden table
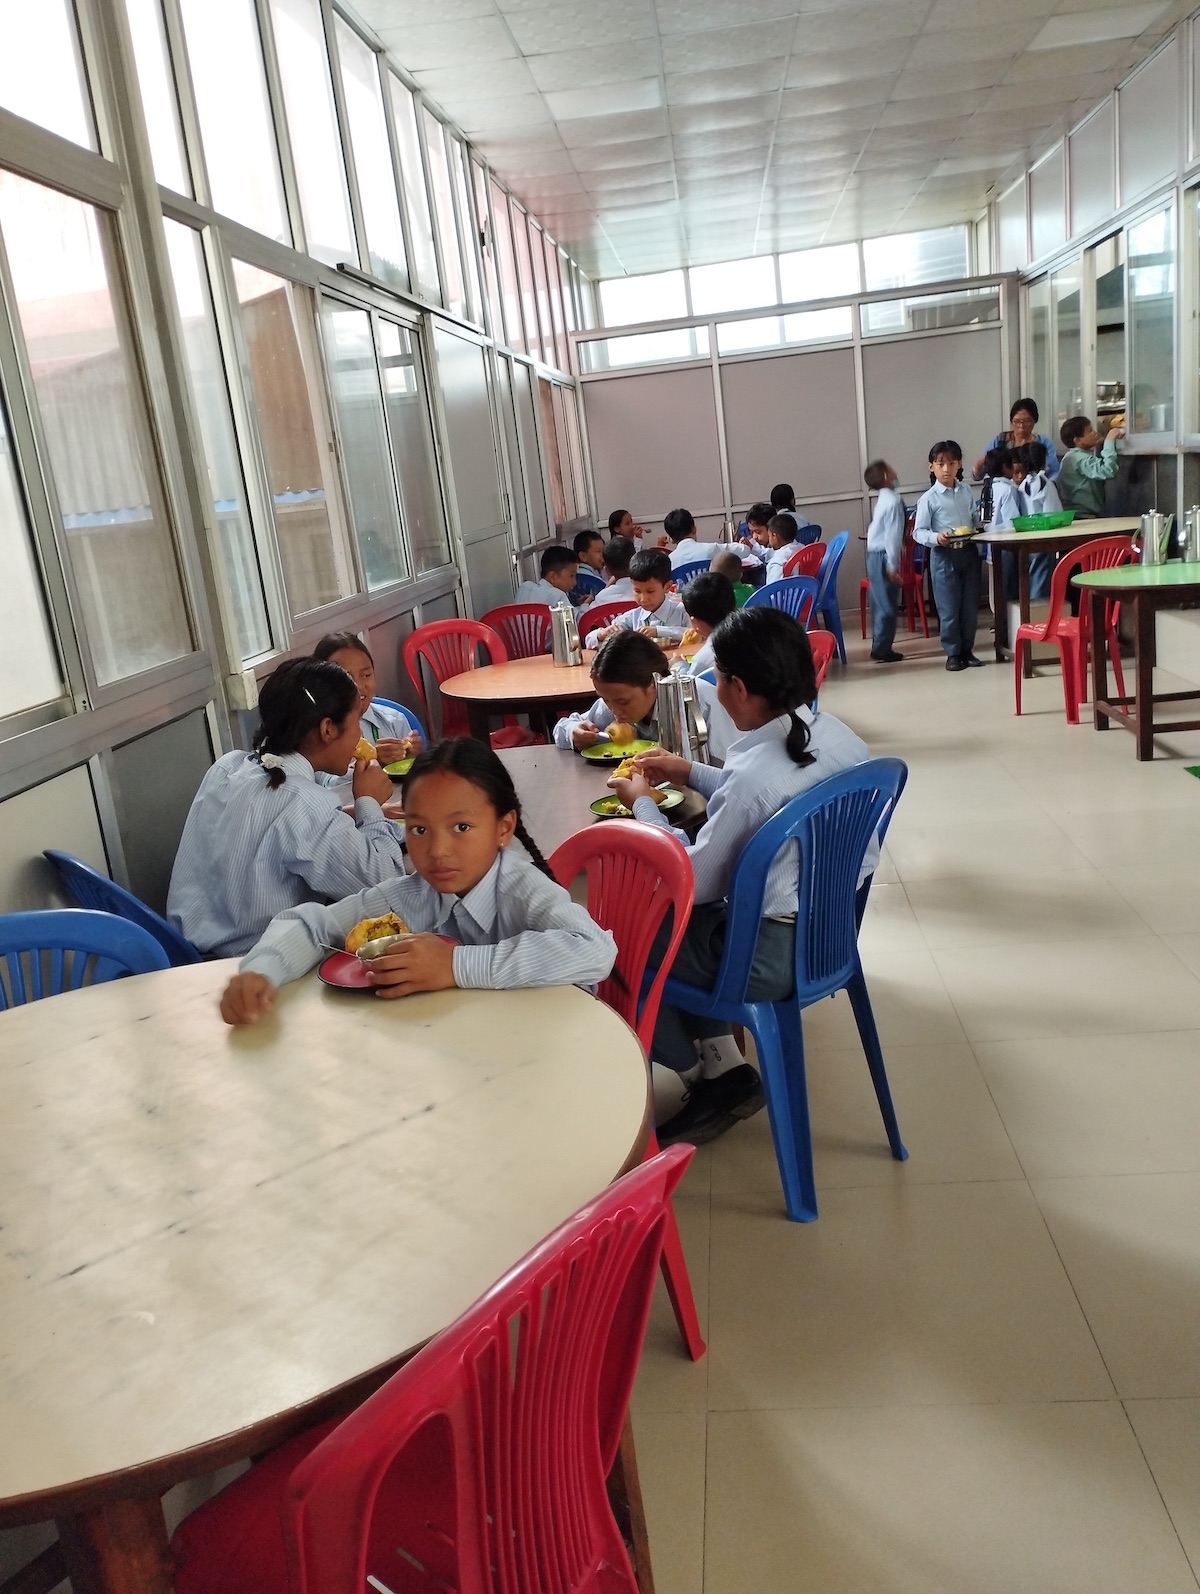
x: 212, y: 1238
x: 522, y: 686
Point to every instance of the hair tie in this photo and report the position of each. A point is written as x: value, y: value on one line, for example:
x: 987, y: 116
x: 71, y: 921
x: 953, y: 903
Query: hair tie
x: 270, y: 760
x: 309, y: 696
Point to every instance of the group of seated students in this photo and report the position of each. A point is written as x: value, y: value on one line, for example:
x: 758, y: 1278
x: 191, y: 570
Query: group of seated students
x: 273, y: 869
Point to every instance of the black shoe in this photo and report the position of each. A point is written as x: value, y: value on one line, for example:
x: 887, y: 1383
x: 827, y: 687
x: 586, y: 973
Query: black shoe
x: 713, y: 1106
x: 970, y: 662
x: 890, y: 657
x: 955, y: 663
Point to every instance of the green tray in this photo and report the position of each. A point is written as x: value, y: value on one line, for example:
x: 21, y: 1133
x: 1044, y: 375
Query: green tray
x: 399, y: 768
x: 1062, y: 517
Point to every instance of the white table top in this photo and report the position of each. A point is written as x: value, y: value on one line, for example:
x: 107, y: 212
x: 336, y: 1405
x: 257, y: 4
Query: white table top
x: 1078, y: 530
x: 201, y: 1228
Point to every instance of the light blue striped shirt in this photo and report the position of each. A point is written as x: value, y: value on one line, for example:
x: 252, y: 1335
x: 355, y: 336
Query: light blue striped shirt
x: 669, y: 619
x: 516, y: 928
x: 721, y: 729
x: 379, y: 724
x: 943, y: 509
x: 248, y: 851
x: 759, y: 778
x: 541, y: 591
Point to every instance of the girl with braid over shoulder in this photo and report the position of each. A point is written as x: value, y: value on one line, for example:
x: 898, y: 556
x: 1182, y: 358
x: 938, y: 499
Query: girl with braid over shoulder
x: 482, y: 913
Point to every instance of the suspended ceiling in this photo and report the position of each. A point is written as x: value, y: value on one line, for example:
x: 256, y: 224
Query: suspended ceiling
x: 650, y: 134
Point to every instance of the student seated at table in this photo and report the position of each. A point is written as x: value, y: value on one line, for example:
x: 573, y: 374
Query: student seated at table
x: 589, y: 551
x: 390, y: 731
x: 659, y: 613
x: 781, y: 539
x: 622, y: 524
x: 707, y: 599
x: 262, y: 835
x: 783, y: 502
x: 685, y: 549
x: 513, y: 924
x: 728, y: 563
x: 619, y: 553
x: 755, y: 546
x: 765, y: 681
x: 558, y: 568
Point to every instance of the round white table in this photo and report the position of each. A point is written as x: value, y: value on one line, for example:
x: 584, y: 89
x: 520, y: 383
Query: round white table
x: 210, y: 1238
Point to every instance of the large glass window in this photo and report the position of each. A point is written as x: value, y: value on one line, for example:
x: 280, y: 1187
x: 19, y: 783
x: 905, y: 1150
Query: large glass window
x: 443, y: 205
x: 29, y: 670
x: 313, y: 129
x: 1068, y: 345
x: 541, y: 290
x: 277, y: 326
x: 554, y: 281
x: 1151, y: 250
x: 733, y: 285
x: 225, y: 54
x: 226, y: 484
x: 470, y: 238
x: 488, y: 252
x: 510, y: 287
x: 558, y: 502
x: 819, y: 273
x: 158, y: 94
x: 644, y: 348
x: 407, y: 406
x: 372, y: 155
x: 906, y: 260
x: 1108, y: 273
x: 930, y: 310
x: 1040, y: 382
x: 772, y: 331
x: 520, y: 231
x: 366, y: 457
x: 96, y: 430
x: 416, y: 195
x: 624, y: 301
x: 41, y: 69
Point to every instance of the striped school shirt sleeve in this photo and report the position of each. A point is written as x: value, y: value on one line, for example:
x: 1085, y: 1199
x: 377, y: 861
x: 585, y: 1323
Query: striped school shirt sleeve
x: 335, y: 855
x: 297, y: 940
x: 541, y: 937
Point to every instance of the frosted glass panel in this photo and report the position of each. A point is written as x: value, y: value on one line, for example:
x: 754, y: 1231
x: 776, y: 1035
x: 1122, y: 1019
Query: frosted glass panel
x: 735, y: 285
x: 1148, y: 124
x: 1047, y: 203
x: 626, y: 300
x: 1093, y: 163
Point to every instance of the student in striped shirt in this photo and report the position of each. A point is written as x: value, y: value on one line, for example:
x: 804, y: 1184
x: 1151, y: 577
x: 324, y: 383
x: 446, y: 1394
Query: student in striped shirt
x: 390, y: 730
x: 486, y: 915
x: 765, y: 681
x: 659, y: 613
x: 262, y: 833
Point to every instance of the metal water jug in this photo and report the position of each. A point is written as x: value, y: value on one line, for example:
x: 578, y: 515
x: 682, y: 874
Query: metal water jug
x: 564, y: 635
x: 1156, y: 537
x: 681, y: 725
x: 1191, y: 535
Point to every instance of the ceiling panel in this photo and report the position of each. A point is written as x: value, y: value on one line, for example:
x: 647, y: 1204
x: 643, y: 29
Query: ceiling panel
x: 651, y: 133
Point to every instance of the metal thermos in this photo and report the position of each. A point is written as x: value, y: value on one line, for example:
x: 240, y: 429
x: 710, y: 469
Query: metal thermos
x: 564, y: 635
x: 1191, y: 535
x: 681, y: 724
x: 1156, y: 537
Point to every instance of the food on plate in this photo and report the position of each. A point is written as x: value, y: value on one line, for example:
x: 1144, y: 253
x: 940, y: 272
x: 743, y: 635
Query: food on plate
x: 691, y: 638
x: 628, y: 770
x: 365, y: 749
x: 619, y: 733
x: 375, y: 929
x: 613, y: 808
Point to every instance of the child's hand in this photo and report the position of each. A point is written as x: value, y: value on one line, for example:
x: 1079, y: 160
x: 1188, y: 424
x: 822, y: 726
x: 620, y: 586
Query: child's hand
x: 370, y: 781
x: 893, y: 576
x: 1116, y: 431
x: 422, y: 963
x: 246, y: 998
x: 656, y: 765
x: 393, y: 748
x: 944, y: 539
x: 629, y: 790
x: 585, y: 734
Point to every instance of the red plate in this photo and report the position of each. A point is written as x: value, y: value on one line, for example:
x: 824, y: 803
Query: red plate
x: 345, y: 971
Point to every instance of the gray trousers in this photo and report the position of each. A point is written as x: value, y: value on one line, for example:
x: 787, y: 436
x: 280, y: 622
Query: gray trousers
x: 955, y: 573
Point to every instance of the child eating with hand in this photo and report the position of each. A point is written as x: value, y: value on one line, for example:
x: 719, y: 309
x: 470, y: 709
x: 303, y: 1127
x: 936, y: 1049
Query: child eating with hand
x: 389, y: 730
x: 659, y: 613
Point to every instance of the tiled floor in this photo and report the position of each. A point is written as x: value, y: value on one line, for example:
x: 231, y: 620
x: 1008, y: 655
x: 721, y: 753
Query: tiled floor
x: 979, y: 1371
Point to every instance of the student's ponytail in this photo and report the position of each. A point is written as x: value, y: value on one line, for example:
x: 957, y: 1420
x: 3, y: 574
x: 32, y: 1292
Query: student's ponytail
x: 477, y: 764
x: 292, y: 703
x: 768, y: 652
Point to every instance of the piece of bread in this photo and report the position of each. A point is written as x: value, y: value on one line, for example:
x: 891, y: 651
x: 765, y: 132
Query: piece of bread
x: 690, y: 638
x: 372, y: 929
x: 365, y: 749
x: 619, y: 733
x: 628, y: 770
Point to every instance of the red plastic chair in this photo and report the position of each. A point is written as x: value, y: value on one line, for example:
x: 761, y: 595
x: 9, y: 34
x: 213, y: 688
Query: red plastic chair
x: 480, y: 1466
x: 524, y: 628
x: 807, y: 562
x: 602, y: 614
x: 449, y: 647
x: 1104, y: 553
x: 1060, y: 629
x: 824, y: 646
x: 635, y: 874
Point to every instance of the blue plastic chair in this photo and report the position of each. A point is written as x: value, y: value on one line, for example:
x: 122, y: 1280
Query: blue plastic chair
x: 44, y: 954
x: 708, y: 675
x: 688, y: 572
x: 827, y: 598
x: 807, y: 534
x: 411, y: 715
x: 87, y: 888
x: 795, y: 595
x: 833, y: 823
x: 588, y: 584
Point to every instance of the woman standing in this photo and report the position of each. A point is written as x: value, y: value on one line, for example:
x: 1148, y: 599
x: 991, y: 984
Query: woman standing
x: 1022, y: 420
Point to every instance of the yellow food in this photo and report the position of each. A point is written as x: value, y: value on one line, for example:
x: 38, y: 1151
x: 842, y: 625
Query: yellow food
x: 372, y: 929
x: 619, y: 733
x: 690, y: 638
x: 628, y: 770
x: 365, y: 749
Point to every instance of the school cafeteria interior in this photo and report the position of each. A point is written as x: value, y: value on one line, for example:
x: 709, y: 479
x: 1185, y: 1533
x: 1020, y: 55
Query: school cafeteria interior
x: 320, y: 317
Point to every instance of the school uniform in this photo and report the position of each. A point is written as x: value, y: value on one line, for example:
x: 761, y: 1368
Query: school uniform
x: 885, y: 535
x: 777, y: 558
x: 516, y: 928
x: 1039, y: 496
x: 802, y: 525
x: 1004, y: 440
x: 759, y: 778
x: 722, y: 732
x: 380, y: 723
x: 670, y: 619
x: 954, y: 569
x: 542, y: 592
x: 622, y: 587
x: 250, y: 850
x: 702, y: 659
x: 690, y: 552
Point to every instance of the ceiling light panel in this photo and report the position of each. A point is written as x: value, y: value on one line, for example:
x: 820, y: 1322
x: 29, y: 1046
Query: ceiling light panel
x: 1092, y: 26
x: 726, y: 49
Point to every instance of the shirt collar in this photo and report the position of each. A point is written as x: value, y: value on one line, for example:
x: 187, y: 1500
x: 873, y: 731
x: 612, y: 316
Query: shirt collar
x: 775, y: 730
x: 296, y: 764
x: 942, y: 488
x: 481, y: 901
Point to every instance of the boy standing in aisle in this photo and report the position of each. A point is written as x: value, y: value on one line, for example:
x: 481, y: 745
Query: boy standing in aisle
x: 954, y: 562
x: 884, y: 537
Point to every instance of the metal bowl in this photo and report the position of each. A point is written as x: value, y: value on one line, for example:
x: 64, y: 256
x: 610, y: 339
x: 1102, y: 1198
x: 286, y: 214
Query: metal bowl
x: 380, y: 945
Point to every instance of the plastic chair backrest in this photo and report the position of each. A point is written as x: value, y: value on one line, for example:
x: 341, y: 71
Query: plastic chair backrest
x: 449, y: 648
x: 832, y: 823
x: 403, y: 708
x: 908, y: 560
x: 524, y: 628
x: 589, y: 582
x: 1104, y: 553
x: 795, y: 595
x: 808, y: 534
x: 708, y: 675
x: 481, y: 1464
x: 824, y: 646
x: 636, y: 874
x: 806, y: 561
x: 688, y: 572
x: 1060, y: 580
x: 603, y: 613
x: 829, y: 570
x: 88, y: 888
x: 63, y: 949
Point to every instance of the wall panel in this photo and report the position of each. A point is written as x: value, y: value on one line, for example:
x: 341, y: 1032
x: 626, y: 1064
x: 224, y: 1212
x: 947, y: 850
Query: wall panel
x: 653, y: 442
x: 1148, y: 124
x: 59, y: 813
x: 154, y: 780
x: 1048, y: 203
x: 1093, y: 169
x: 925, y: 389
x: 792, y: 418
x: 1012, y: 239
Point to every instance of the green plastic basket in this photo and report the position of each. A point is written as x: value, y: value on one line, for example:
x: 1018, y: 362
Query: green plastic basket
x: 1061, y: 517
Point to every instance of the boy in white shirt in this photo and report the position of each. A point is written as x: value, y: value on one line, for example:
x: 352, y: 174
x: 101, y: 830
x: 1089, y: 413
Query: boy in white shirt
x: 885, y: 536
x: 685, y: 549
x: 946, y: 509
x: 618, y: 555
x: 659, y: 613
x: 558, y: 569
x: 781, y: 538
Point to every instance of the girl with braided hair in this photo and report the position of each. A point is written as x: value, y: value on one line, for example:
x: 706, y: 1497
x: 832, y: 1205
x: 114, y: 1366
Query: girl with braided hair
x: 485, y: 914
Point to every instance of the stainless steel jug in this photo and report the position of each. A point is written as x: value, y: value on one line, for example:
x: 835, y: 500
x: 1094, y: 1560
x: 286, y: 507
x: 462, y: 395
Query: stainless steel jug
x: 1156, y: 537
x: 1191, y: 535
x: 681, y: 725
x: 564, y: 635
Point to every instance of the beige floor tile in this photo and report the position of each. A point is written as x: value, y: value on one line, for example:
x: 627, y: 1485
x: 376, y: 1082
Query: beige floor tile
x: 1166, y: 899
x: 1101, y: 1104
x: 1169, y: 1434
x: 1122, y: 985
x: 668, y: 1380
x: 1131, y: 1247
x: 977, y: 847
x: 671, y: 1454
x: 1187, y: 949
x: 1166, y: 842
x: 1049, y: 1499
x: 991, y: 910
x: 947, y: 1119
x: 908, y: 997
x: 932, y: 1294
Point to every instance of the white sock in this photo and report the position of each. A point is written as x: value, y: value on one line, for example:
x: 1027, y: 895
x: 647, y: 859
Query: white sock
x: 718, y: 1056
x: 668, y: 1087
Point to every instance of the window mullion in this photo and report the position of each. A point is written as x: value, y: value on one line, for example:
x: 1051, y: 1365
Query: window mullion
x: 283, y: 141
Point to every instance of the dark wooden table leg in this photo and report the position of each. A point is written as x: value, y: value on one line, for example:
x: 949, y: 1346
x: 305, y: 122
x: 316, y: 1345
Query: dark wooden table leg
x: 478, y: 716
x: 120, y: 1548
x: 1023, y: 606
x: 1143, y: 704
x: 999, y: 605
x: 1095, y: 602
x: 625, y: 1497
